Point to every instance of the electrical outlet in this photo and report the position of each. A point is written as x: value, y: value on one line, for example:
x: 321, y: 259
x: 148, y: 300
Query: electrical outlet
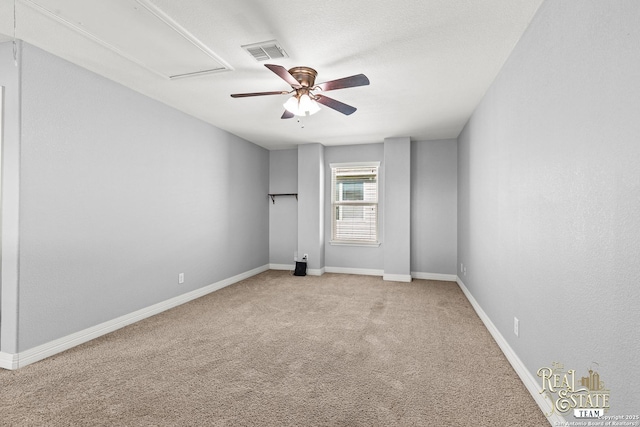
x: 465, y: 271
x: 180, y: 278
x: 305, y: 257
x: 516, y: 326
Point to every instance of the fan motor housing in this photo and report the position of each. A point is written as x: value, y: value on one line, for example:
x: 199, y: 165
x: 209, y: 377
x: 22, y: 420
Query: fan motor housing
x: 304, y: 75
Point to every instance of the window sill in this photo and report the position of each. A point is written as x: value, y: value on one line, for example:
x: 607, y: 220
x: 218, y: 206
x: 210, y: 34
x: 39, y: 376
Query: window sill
x: 362, y: 244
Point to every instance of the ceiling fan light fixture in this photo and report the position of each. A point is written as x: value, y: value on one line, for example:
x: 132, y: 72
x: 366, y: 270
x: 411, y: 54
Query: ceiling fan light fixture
x: 292, y: 105
x: 301, y: 106
x: 308, y: 105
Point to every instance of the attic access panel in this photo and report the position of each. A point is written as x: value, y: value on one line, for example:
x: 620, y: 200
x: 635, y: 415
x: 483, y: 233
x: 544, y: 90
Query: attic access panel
x: 137, y: 30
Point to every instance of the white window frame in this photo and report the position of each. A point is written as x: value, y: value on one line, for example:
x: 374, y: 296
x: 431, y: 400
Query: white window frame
x: 335, y: 203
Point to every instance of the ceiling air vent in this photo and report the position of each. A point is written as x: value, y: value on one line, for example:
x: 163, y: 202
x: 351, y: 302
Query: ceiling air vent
x: 265, y: 50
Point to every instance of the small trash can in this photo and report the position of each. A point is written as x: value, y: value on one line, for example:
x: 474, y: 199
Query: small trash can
x: 301, y: 269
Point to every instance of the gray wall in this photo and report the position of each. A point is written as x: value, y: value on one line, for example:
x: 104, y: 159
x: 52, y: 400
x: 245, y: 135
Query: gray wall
x: 118, y: 195
x: 434, y: 206
x: 10, y: 79
x: 549, y: 195
x: 397, y: 215
x: 311, y: 187
x: 283, y: 214
x: 356, y: 257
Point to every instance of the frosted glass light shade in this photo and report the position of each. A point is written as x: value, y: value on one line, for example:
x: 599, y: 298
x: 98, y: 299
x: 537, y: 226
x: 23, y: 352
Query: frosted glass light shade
x: 291, y: 105
x: 308, y: 105
x: 302, y: 107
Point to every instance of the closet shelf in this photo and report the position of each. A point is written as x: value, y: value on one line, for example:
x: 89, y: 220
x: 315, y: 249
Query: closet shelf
x: 273, y: 196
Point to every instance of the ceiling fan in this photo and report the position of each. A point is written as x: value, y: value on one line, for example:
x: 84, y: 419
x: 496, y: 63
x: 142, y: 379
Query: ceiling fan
x: 304, y: 100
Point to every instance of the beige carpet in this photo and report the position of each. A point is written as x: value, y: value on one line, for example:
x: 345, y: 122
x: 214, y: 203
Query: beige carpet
x: 279, y: 350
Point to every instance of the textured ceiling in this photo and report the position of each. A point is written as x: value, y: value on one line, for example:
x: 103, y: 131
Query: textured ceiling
x: 429, y: 61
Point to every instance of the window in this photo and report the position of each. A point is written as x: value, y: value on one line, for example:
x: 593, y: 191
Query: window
x: 354, y: 203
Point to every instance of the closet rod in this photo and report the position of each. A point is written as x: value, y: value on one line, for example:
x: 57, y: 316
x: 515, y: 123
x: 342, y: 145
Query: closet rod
x: 273, y: 196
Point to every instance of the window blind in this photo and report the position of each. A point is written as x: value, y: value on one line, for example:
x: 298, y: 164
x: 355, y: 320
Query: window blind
x: 354, y: 198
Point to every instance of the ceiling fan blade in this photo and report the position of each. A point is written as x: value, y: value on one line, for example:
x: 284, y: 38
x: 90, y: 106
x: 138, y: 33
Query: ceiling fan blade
x: 287, y: 115
x: 244, y: 95
x: 352, y: 81
x: 284, y: 75
x: 336, y: 105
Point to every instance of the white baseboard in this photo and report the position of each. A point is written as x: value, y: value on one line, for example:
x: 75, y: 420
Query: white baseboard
x: 394, y: 277
x: 434, y: 276
x: 285, y: 267
x: 370, y: 272
x: 361, y: 271
x: 23, y: 358
x: 8, y: 361
x: 525, y: 376
x: 315, y: 271
x: 397, y: 277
